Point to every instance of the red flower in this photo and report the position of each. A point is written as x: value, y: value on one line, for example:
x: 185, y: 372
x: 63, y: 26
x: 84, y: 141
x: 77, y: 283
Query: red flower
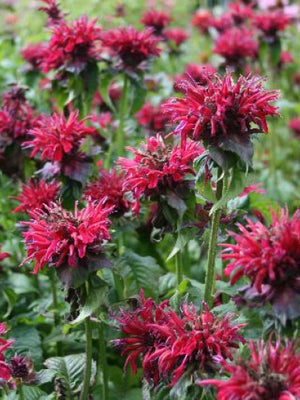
x: 5, y: 371
x: 61, y: 237
x: 294, y: 125
x: 202, y: 20
x: 270, y: 257
x: 16, y: 115
x: 3, y: 255
x: 271, y: 22
x: 176, y: 36
x: 199, y: 73
x: 53, y: 11
x: 235, y: 45
x: 239, y: 12
x: 223, y: 23
x: 57, y: 136
x: 34, y: 54
x: 152, y: 118
x: 222, y: 109
x: 132, y: 47
x: 157, y: 168
x: 157, y: 20
x: 35, y: 195
x: 170, y: 344
x: 73, y: 45
x: 109, y: 190
x: 286, y: 58
x: 271, y: 372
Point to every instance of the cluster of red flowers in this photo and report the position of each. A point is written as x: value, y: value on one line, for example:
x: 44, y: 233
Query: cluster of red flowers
x: 170, y: 343
x: 131, y: 46
x: 157, y: 168
x: 56, y: 136
x: 109, y: 189
x: 152, y: 118
x: 270, y: 257
x: 222, y: 108
x: 61, y: 237
x: 271, y: 372
x: 271, y: 23
x: 5, y: 371
x: 36, y: 194
x: 157, y: 20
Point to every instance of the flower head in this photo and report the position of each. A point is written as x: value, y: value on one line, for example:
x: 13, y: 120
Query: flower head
x: 270, y: 23
x: 53, y: 11
x: 197, y: 72
x: 157, y: 168
x: 56, y: 136
x: 34, y: 55
x: 61, y: 237
x: 157, y: 20
x: 294, y: 125
x: 270, y: 257
x: 176, y: 36
x: 5, y: 371
x: 152, y: 118
x: 131, y: 46
x: 222, y: 110
x: 22, y: 368
x: 3, y: 255
x: 235, y: 45
x: 35, y: 195
x: 202, y: 20
x: 108, y: 188
x: 73, y: 45
x: 240, y: 12
x: 271, y: 372
x: 170, y: 343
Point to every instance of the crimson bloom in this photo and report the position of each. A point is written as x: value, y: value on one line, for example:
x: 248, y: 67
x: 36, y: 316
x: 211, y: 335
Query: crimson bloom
x: 271, y: 372
x: 176, y: 36
x: 294, y: 125
x: 157, y: 20
x: 269, y: 256
x: 5, y: 371
x: 240, y: 12
x: 57, y: 136
x: 157, y: 168
x: 169, y: 343
x: 73, y: 45
x: 223, y: 113
x: 131, y: 46
x: 3, y: 255
x: 270, y: 23
x: 200, y: 73
x: 235, y: 45
x: 152, y: 118
x: 35, y: 195
x: 53, y: 11
x: 202, y: 20
x: 34, y: 55
x: 64, y: 238
x: 108, y: 188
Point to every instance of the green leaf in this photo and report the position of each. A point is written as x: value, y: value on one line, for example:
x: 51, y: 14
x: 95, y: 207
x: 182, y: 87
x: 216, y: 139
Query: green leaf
x: 177, y: 203
x: 139, y: 273
x: 105, y: 81
x: 27, y: 341
x: 138, y: 94
x: 11, y: 298
x: 70, y: 371
x: 183, y: 237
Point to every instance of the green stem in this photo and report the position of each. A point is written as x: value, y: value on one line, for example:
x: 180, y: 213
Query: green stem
x: 123, y: 107
x: 102, y: 364
x: 21, y: 393
x: 178, y: 265
x: 88, y: 361
x: 55, y: 308
x: 210, y: 277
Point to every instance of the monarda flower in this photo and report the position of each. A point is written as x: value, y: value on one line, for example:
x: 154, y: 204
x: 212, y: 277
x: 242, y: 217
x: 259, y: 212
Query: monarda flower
x: 157, y: 20
x: 22, y: 368
x: 157, y: 168
x: 131, y: 46
x: 57, y: 136
x: 51, y: 8
x: 270, y: 23
x: 152, y: 118
x: 235, y: 45
x: 73, y: 46
x: 200, y: 73
x: 202, y: 20
x: 270, y: 372
x: 294, y: 125
x: 240, y: 13
x: 108, y: 189
x: 5, y: 371
x: 170, y: 344
x: 35, y: 195
x: 223, y: 113
x: 176, y: 37
x: 63, y: 238
x: 34, y: 55
x: 3, y: 256
x: 269, y: 256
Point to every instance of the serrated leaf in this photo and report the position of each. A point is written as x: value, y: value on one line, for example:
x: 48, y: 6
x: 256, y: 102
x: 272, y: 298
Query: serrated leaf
x: 27, y: 341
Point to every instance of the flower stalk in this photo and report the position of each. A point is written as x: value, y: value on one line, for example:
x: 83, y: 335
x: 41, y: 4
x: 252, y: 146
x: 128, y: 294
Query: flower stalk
x: 102, y: 364
x: 123, y: 109
x: 88, y: 361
